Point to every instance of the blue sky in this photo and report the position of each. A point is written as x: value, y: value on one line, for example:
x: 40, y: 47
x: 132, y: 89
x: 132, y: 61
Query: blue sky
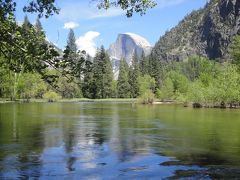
x: 93, y: 27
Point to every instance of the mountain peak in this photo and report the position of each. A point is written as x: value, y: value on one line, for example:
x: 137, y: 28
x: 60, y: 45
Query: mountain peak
x: 124, y: 48
x: 141, y: 41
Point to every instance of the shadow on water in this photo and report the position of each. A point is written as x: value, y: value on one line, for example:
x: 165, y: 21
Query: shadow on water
x: 117, y: 140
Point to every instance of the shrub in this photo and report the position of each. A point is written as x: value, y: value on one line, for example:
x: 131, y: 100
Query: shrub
x: 147, y: 97
x: 51, y: 96
x: 146, y: 87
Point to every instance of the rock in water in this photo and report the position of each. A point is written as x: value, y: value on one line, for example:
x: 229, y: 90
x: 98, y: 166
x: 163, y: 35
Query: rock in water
x: 125, y: 46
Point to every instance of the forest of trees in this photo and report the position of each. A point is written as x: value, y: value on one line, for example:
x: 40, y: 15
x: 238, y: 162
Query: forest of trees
x: 31, y: 67
x: 75, y: 74
x: 27, y: 59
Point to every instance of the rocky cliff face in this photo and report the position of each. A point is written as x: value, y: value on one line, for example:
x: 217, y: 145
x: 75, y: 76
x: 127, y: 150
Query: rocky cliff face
x: 206, y: 32
x: 125, y: 46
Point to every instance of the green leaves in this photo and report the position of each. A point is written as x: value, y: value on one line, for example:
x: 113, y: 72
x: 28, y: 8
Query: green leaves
x: 146, y: 83
x: 221, y: 89
x: 42, y: 7
x: 24, y: 47
x: 7, y: 7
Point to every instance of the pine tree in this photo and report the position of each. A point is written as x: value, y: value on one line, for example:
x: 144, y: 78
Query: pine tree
x: 26, y: 23
x: 107, y: 77
x: 73, y: 61
x: 71, y: 48
x: 97, y: 76
x: 155, y: 70
x: 102, y: 75
x: 71, y: 42
x: 143, y: 65
x: 87, y: 86
x: 38, y: 26
x: 75, y: 58
x: 123, y: 86
x: 134, y: 74
x: 27, y: 27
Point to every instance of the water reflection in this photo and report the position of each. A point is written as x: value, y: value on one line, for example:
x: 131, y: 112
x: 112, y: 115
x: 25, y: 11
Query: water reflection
x: 115, y: 141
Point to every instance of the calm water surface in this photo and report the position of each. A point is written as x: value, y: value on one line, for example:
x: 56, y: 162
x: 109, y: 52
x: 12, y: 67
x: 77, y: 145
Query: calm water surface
x: 117, y: 141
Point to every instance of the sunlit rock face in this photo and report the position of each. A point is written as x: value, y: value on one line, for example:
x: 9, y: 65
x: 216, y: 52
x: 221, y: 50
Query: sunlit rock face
x: 124, y: 48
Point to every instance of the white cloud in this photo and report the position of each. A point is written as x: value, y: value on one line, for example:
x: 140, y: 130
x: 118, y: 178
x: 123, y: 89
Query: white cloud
x: 87, y: 42
x: 70, y: 25
x: 85, y: 11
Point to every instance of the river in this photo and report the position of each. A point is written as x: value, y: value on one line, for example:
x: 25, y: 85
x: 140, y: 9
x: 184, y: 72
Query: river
x: 117, y: 141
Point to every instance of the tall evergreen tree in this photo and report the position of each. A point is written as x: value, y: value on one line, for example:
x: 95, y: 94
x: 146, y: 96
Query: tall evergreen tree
x: 87, y: 85
x: 155, y: 70
x: 107, y: 77
x: 123, y: 86
x: 27, y: 27
x: 97, y: 75
x: 71, y: 42
x: 39, y: 29
x: 73, y: 60
x: 38, y: 26
x: 143, y: 65
x: 26, y: 23
x: 71, y: 48
x: 102, y: 75
x: 134, y: 74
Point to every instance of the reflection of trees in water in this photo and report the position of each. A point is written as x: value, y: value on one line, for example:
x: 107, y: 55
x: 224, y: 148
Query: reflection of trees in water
x: 69, y: 136
x: 8, y: 123
x: 81, y: 133
x: 69, y: 144
x: 204, y: 136
x: 22, y: 140
x: 127, y: 132
x: 30, y: 165
x: 87, y: 129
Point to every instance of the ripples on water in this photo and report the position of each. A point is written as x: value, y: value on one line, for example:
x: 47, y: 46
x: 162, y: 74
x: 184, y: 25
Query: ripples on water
x: 117, y: 141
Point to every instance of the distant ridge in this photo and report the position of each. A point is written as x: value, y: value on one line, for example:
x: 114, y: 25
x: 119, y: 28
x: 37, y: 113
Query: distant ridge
x: 206, y: 32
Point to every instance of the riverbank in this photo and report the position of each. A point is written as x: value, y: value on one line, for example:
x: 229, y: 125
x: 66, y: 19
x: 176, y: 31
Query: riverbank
x: 127, y: 100
x: 130, y: 100
x: 221, y: 105
x: 158, y: 102
x: 194, y: 105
